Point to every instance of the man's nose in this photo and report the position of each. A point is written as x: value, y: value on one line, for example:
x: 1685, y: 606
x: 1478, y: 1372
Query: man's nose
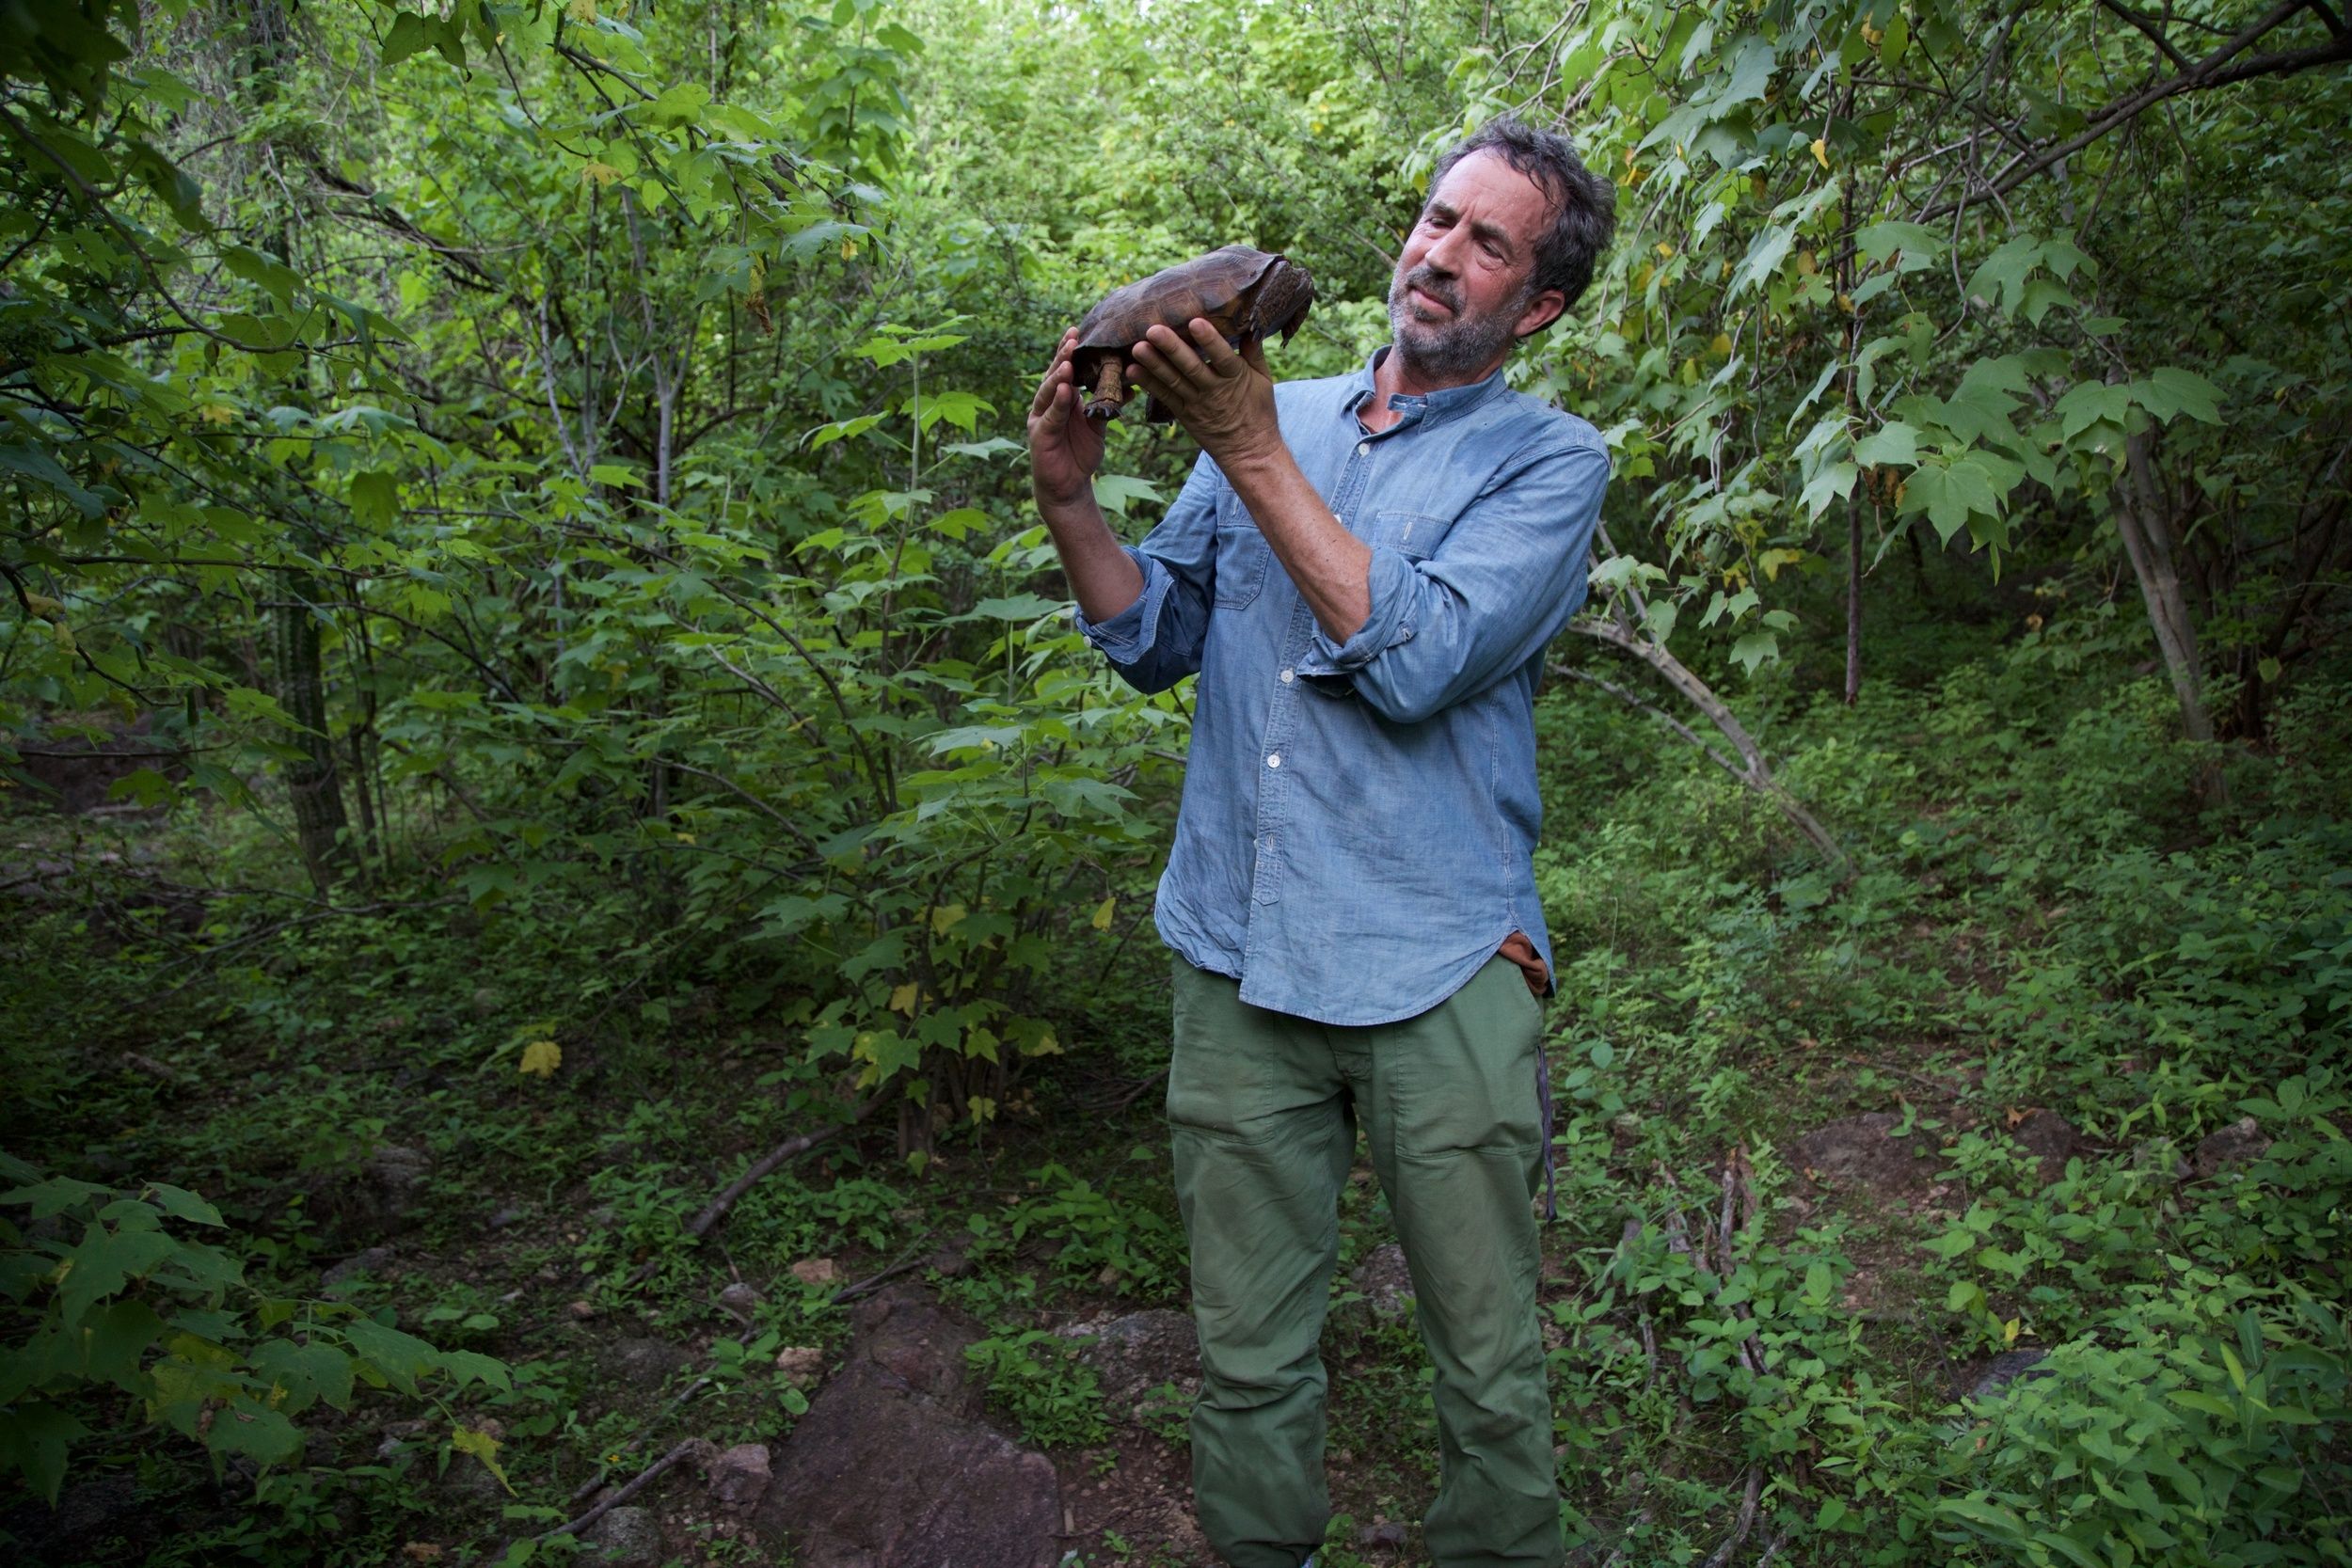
x: 1440, y: 255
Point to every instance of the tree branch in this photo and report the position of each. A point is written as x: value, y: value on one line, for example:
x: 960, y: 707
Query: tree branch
x: 2214, y: 70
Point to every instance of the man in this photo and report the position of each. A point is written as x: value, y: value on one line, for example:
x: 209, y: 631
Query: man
x: 1364, y: 572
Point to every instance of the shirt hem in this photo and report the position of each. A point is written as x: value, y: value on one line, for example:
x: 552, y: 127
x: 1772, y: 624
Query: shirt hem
x: 1456, y: 976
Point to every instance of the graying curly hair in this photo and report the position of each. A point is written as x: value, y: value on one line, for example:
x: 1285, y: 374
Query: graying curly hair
x: 1583, y: 204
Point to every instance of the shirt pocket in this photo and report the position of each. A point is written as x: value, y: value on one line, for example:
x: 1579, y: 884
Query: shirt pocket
x: 1241, y: 556
x: 1411, y: 534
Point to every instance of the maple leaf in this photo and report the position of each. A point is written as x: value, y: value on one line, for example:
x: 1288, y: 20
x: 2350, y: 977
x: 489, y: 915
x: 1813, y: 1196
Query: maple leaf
x: 541, y: 1058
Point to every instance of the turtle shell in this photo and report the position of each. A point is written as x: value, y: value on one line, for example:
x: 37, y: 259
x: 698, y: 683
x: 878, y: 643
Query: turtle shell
x: 1246, y: 292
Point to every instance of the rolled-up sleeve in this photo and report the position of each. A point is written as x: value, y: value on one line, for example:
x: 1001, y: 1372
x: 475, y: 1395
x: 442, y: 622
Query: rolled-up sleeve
x: 1156, y: 640
x: 1503, y: 583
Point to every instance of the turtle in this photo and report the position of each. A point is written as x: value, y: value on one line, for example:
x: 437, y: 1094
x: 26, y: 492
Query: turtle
x: 1246, y: 292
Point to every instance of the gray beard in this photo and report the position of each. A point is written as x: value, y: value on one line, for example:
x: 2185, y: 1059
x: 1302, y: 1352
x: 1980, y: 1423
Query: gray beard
x: 1455, y: 348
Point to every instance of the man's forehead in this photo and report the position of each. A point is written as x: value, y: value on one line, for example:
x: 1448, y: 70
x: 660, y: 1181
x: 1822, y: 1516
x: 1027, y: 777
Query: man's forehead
x: 1486, y: 183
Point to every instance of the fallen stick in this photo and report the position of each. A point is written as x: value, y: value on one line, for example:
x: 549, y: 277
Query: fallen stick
x: 1743, y: 1524
x: 645, y: 1478
x: 766, y: 1166
x: 716, y: 1209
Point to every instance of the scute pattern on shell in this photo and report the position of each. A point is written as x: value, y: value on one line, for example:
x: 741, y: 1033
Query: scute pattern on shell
x: 1246, y: 292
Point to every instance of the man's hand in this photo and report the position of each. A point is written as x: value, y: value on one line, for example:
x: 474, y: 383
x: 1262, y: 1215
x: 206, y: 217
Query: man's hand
x: 1224, y: 400
x: 1065, y: 447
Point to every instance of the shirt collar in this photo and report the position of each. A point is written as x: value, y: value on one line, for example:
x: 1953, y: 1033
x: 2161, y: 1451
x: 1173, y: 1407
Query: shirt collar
x: 1434, y: 407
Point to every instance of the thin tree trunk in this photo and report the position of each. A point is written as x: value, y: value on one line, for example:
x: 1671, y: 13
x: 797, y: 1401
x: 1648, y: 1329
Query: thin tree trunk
x: 2141, y: 519
x: 311, y: 783
x: 1853, y: 598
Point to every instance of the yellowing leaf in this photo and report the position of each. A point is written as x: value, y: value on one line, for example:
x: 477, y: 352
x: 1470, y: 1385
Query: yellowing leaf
x: 848, y: 249
x: 483, y: 1447
x: 1045, y: 1045
x: 944, y: 918
x: 903, y: 999
x: 982, y: 1109
x: 602, y: 173
x: 1721, y: 347
x: 1664, y: 250
x: 583, y: 11
x: 683, y: 838
x: 541, y: 1058
x: 2009, y: 1332
x: 1806, y: 265
x: 1102, y: 921
x: 1820, y: 151
x: 216, y: 413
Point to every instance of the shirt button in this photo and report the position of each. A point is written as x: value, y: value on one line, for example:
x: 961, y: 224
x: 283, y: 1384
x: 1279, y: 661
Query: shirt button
x: 1274, y: 759
x: 1287, y: 677
x: 1363, y: 449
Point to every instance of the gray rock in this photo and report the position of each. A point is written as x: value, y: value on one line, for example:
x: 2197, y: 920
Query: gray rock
x: 2010, y: 1366
x: 1389, y: 1536
x: 625, y: 1538
x: 470, y: 1480
x: 2240, y: 1143
x: 889, y: 1468
x: 372, y: 1263
x: 739, y: 1300
x: 506, y: 1216
x: 1137, y: 1352
x: 739, y: 1476
x: 642, y: 1362
x: 909, y: 1337
x: 392, y: 1185
x: 1384, y: 1282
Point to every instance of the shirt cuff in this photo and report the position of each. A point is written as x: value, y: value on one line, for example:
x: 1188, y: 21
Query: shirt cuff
x: 1391, y: 578
x: 1127, y: 636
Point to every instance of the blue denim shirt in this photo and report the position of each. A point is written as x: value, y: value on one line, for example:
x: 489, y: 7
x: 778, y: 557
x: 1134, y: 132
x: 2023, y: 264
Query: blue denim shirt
x: 1359, y: 817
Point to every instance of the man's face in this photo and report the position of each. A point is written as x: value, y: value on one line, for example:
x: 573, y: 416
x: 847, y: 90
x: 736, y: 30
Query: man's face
x: 1462, y: 292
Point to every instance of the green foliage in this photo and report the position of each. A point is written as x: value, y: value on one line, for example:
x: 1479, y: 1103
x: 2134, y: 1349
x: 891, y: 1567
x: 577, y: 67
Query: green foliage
x: 1104, y: 1241
x: 2189, y: 1439
x: 135, y: 1316
x: 1035, y: 1377
x: 593, y: 430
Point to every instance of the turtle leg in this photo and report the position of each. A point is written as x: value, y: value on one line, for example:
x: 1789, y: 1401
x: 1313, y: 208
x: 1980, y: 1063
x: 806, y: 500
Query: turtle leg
x: 1109, y: 392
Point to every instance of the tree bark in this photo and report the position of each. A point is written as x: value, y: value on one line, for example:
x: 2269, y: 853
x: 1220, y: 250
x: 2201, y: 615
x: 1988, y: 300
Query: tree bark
x: 313, y: 782
x: 1853, y: 598
x: 2145, y: 524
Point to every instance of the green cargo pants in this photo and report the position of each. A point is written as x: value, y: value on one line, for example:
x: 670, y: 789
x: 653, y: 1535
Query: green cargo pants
x: 1263, y: 1108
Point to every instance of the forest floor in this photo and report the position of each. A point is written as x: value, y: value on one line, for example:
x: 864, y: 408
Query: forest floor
x: 1770, y: 1150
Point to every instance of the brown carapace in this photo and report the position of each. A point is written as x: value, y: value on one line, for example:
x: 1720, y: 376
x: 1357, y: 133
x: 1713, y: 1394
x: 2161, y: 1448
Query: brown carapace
x: 1247, y: 294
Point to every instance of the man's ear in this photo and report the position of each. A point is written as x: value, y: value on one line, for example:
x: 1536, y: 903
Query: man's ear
x: 1541, y: 313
